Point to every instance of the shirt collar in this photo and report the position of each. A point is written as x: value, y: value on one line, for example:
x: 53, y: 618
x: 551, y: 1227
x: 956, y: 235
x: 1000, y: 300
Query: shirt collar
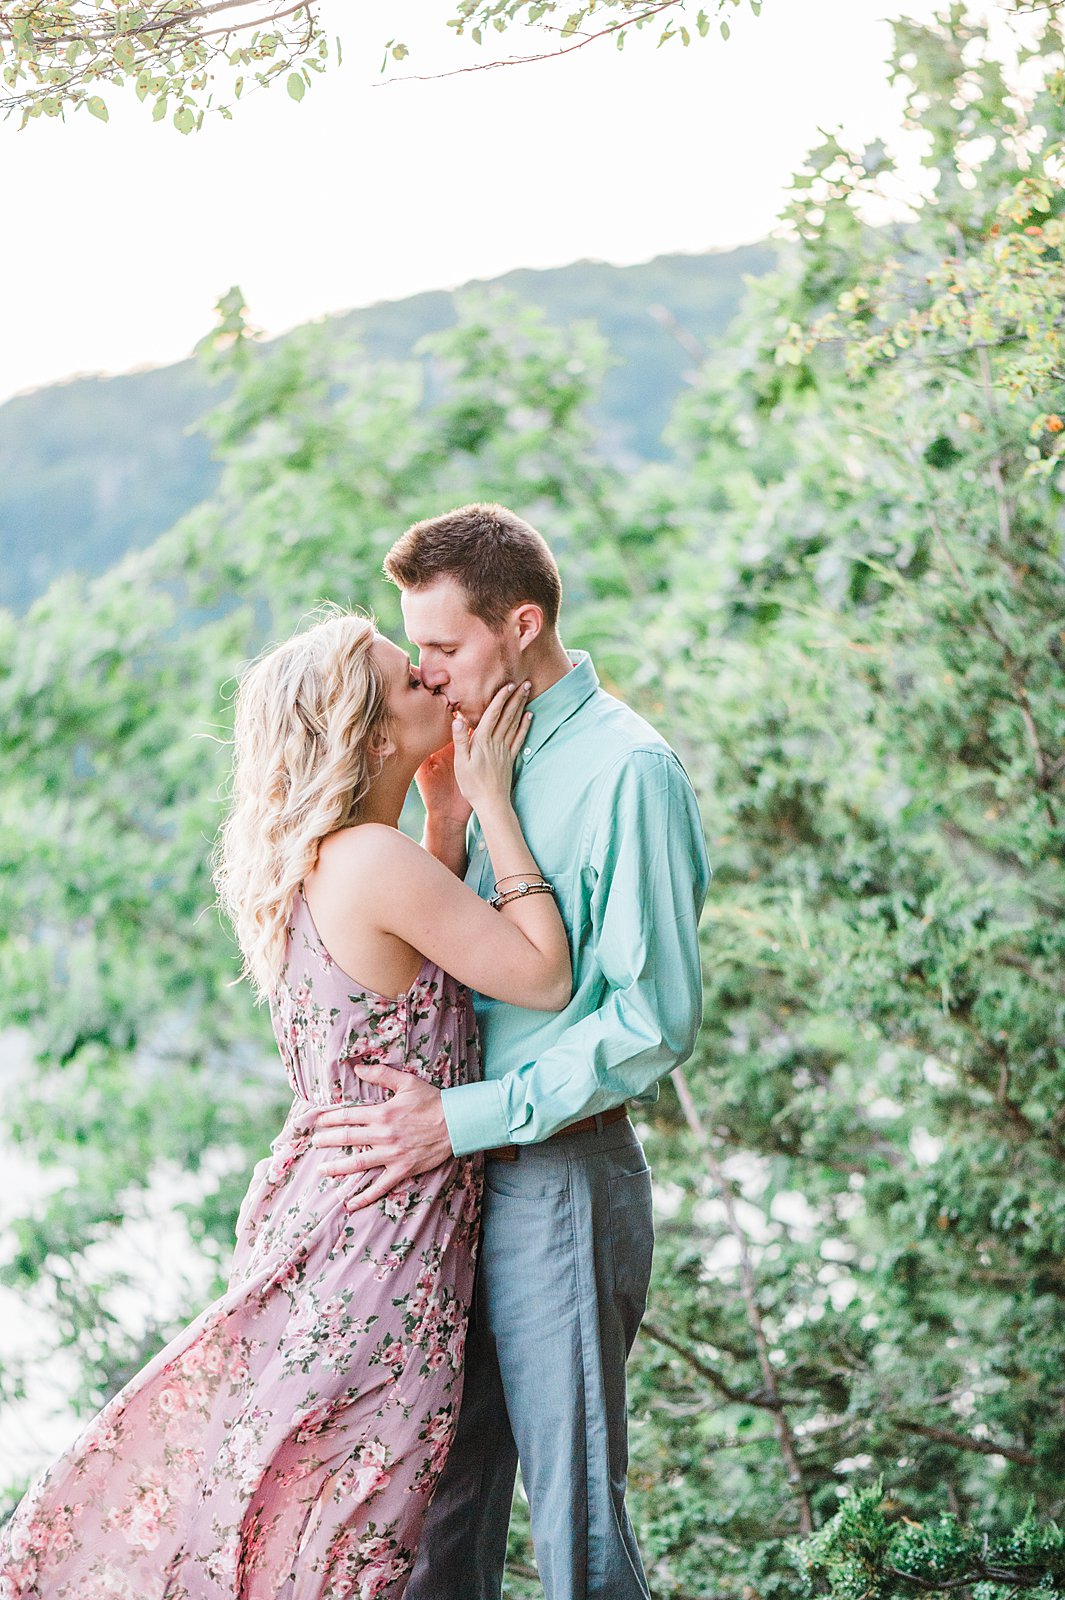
x: 557, y: 704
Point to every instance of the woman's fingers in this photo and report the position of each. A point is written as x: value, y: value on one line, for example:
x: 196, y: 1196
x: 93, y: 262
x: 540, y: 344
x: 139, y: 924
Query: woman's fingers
x: 460, y: 738
x: 494, y: 710
x: 517, y: 738
x: 503, y: 713
x: 486, y: 754
x: 513, y: 712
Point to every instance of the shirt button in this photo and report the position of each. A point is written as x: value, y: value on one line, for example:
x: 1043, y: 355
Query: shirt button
x: 527, y: 751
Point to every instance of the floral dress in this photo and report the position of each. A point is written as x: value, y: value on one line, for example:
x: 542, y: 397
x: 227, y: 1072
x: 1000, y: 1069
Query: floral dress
x: 286, y: 1445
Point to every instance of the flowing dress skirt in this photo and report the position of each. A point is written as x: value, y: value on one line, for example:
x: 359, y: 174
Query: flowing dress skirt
x: 285, y: 1446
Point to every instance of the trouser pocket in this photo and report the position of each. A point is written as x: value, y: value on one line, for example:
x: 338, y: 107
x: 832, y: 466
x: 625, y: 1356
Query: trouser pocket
x: 632, y: 1238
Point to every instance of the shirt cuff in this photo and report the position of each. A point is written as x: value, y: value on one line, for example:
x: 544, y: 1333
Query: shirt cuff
x: 475, y: 1116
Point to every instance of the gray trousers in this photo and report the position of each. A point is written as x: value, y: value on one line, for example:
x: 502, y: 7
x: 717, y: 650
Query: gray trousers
x: 561, y: 1287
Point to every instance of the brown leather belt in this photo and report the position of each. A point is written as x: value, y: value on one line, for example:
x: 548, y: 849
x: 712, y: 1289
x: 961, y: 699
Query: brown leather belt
x: 509, y: 1152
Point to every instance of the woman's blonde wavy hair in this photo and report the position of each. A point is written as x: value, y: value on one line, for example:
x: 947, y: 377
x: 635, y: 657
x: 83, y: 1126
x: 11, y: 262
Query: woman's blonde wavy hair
x: 310, y: 733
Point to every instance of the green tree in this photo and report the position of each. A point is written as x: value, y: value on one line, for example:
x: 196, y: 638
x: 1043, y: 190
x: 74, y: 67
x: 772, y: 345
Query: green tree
x: 185, y: 59
x: 873, y: 664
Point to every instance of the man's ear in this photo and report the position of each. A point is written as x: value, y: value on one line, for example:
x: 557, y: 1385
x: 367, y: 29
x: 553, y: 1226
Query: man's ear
x: 527, y: 622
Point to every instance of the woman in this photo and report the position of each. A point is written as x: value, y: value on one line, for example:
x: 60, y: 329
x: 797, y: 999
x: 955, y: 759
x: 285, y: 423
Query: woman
x: 286, y: 1445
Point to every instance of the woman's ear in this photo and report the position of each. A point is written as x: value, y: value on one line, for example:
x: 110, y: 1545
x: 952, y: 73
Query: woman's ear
x: 381, y: 747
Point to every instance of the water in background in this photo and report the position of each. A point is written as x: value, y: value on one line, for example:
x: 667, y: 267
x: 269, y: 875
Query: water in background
x: 34, y: 1430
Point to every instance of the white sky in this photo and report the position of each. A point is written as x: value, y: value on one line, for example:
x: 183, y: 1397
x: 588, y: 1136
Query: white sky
x: 121, y: 236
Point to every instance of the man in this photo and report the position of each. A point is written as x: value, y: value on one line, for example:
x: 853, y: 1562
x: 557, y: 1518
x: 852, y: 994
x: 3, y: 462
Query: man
x: 567, y: 1234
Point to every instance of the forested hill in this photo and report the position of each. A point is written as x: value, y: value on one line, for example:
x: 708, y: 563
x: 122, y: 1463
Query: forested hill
x: 92, y: 467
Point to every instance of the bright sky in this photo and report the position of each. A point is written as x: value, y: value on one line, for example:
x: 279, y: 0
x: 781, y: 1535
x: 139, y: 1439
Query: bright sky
x: 122, y: 236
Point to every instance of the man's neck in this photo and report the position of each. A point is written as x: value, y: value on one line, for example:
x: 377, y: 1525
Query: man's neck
x: 549, y: 668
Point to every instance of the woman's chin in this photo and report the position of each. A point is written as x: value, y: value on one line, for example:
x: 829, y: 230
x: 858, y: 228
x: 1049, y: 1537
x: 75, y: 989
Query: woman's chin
x: 439, y: 738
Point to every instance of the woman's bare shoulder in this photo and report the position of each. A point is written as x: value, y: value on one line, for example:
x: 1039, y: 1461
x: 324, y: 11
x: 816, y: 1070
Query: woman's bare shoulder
x: 372, y: 850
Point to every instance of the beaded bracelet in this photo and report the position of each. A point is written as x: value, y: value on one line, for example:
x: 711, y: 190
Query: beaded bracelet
x: 498, y: 901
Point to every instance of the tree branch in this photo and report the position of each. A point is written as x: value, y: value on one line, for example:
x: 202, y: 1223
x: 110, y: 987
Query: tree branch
x: 545, y: 55
x: 744, y: 1397
x: 965, y: 1441
x: 781, y: 1424
x: 166, y: 24
x: 995, y: 464
x: 979, y: 1573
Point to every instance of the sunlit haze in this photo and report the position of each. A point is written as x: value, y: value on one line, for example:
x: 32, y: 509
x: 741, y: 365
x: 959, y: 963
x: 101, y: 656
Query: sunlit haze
x: 122, y: 236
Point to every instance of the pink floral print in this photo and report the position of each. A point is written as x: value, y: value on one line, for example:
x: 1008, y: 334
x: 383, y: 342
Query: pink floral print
x: 286, y: 1445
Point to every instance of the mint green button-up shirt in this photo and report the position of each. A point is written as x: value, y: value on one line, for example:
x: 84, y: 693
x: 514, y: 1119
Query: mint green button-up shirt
x: 613, y: 823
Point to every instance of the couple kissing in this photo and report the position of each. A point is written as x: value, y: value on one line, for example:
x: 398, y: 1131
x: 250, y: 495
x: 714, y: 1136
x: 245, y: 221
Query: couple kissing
x: 442, y: 1264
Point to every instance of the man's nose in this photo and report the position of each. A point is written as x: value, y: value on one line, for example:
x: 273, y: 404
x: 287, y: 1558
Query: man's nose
x: 432, y: 677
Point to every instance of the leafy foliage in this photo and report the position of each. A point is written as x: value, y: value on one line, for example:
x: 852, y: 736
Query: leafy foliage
x: 59, y: 54
x: 186, y: 60
x: 863, y: 1553
x: 571, y: 28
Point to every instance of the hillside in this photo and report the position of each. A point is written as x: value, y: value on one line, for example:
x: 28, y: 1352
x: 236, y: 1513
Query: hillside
x: 95, y: 466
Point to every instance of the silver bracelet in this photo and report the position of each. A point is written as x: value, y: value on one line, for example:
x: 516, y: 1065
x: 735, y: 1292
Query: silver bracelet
x: 535, y: 886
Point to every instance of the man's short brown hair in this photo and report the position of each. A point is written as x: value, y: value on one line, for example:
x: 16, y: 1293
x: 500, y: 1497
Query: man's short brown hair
x: 497, y: 558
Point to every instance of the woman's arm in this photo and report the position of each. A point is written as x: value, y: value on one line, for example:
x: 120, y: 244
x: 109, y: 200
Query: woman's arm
x: 378, y: 878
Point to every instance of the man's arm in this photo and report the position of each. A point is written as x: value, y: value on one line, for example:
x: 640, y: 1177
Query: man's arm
x: 646, y: 850
x: 447, y: 814
x: 446, y: 840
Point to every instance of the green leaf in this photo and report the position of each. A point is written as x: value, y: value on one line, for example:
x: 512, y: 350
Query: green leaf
x: 96, y: 107
x: 295, y: 86
x: 184, y: 119
x: 400, y: 52
x: 725, y: 30
x: 159, y: 109
x: 702, y: 22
